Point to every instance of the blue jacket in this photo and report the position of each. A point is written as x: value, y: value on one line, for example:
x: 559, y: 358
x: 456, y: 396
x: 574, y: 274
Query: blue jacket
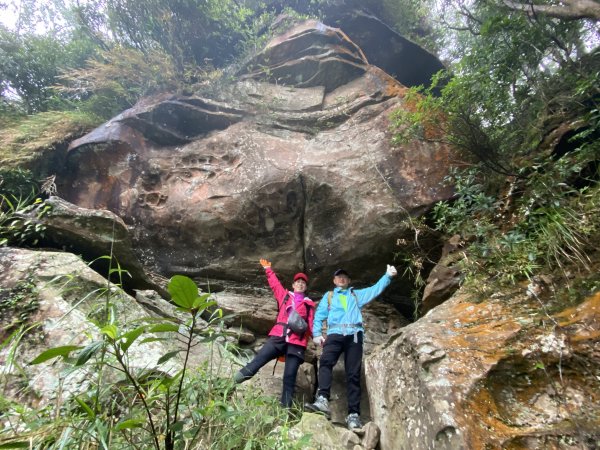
x: 344, y: 316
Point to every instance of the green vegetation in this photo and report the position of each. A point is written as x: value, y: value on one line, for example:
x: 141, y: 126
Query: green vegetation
x: 519, y: 103
x: 26, y: 139
x: 17, y: 304
x: 169, y: 406
x: 521, y: 109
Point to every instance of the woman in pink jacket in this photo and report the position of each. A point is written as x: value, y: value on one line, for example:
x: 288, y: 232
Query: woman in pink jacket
x: 282, y: 341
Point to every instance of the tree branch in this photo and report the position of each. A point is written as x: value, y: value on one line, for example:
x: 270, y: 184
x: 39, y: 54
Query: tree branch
x: 568, y: 10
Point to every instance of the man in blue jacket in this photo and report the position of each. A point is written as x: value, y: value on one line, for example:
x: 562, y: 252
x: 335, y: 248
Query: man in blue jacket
x: 342, y: 310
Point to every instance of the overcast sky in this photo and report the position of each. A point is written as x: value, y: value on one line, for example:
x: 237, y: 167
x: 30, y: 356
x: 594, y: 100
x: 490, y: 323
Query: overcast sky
x: 8, y: 12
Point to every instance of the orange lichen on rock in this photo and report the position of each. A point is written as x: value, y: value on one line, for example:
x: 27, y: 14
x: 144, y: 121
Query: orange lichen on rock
x: 529, y: 392
x: 587, y: 312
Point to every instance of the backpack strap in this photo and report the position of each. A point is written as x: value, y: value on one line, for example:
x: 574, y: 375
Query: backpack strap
x: 284, y: 324
x: 330, y: 296
x: 345, y: 325
x: 355, y: 296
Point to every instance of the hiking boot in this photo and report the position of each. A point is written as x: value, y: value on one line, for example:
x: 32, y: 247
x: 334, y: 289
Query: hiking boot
x: 353, y: 421
x: 320, y: 405
x: 239, y: 377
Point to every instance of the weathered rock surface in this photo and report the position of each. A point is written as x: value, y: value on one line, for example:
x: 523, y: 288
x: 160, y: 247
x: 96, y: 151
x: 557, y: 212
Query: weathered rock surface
x: 95, y: 235
x: 410, y: 64
x: 444, y: 279
x: 58, y: 297
x: 328, y: 436
x: 496, y: 374
x: 292, y: 162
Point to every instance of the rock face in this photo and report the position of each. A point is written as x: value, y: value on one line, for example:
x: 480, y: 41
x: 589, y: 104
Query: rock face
x: 56, y: 296
x: 404, y: 60
x: 293, y: 162
x: 445, y: 278
x: 96, y: 235
x: 495, y: 374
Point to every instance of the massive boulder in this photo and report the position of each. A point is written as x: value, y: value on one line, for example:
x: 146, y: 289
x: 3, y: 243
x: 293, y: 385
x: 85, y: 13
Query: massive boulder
x: 293, y: 161
x: 497, y: 373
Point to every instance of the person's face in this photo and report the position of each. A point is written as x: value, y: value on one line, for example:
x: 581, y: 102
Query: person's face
x: 299, y: 285
x: 341, y: 281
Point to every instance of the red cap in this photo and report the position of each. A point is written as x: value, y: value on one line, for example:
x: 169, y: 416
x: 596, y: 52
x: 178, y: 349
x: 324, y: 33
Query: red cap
x: 302, y: 276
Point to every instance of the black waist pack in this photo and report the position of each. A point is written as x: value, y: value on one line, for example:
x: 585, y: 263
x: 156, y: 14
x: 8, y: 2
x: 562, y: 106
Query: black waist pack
x: 296, y: 323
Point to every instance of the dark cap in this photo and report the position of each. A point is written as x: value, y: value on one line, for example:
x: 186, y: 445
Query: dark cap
x: 341, y: 272
x: 302, y: 276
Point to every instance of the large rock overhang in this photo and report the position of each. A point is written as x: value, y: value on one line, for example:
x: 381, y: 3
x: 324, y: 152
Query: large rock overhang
x: 304, y: 175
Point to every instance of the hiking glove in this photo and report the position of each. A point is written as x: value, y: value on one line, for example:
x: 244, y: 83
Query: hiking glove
x: 319, y: 340
x: 265, y: 263
x: 391, y: 271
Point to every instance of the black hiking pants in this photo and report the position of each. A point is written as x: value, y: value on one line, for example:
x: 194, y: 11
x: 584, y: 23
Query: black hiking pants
x: 335, y: 345
x: 275, y: 347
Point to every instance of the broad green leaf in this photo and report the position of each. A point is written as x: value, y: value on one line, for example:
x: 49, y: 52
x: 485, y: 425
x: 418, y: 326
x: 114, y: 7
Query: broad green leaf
x: 202, y: 301
x: 89, y: 351
x: 130, y: 423
x: 164, y: 327
x: 15, y: 445
x: 86, y: 408
x: 54, y: 352
x: 177, y: 426
x: 168, y: 356
x: 183, y: 291
x: 130, y: 337
x: 110, y: 330
x: 152, y: 339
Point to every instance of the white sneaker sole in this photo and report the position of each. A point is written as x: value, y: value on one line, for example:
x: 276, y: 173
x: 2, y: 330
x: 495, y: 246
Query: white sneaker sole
x: 311, y: 408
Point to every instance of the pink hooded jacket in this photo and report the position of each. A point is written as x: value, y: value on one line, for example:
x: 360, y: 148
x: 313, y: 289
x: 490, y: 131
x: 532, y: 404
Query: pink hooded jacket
x: 306, y: 309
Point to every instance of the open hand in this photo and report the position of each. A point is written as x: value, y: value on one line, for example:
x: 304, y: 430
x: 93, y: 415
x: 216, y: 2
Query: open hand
x: 319, y: 340
x: 265, y: 263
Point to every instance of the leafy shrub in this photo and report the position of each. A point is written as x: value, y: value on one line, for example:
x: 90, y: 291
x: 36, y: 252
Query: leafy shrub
x: 117, y: 78
x: 18, y: 183
x: 156, y: 407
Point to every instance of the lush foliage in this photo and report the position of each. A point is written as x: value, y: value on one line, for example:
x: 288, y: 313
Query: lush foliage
x: 525, y: 200
x: 30, y: 64
x: 118, y: 78
x: 110, y: 53
x: 18, y: 200
x: 164, y: 407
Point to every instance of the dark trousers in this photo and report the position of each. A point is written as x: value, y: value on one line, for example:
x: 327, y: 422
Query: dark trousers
x: 275, y: 347
x: 335, y: 345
